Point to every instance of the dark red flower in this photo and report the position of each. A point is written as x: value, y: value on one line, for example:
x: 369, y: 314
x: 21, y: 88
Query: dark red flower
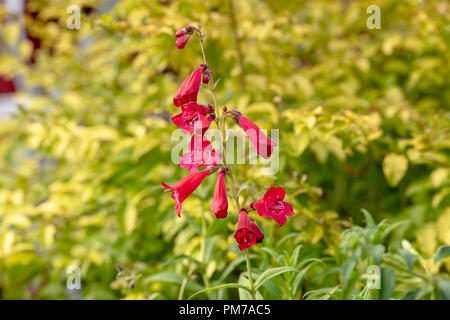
x: 193, y: 116
x: 262, y: 144
x: 219, y: 204
x: 188, y: 90
x: 273, y: 206
x: 246, y: 234
x: 205, y: 78
x: 183, y: 188
x: 181, y: 42
x: 180, y: 33
x: 201, y: 154
x: 184, y: 31
x: 258, y: 233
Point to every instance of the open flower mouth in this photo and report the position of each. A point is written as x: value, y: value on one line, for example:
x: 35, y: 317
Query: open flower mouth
x: 276, y: 208
x: 190, y: 117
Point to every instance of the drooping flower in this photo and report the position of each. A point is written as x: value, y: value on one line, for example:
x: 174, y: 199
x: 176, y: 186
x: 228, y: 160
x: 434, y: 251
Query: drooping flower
x: 273, y: 206
x: 193, y: 117
x: 183, y: 36
x: 245, y: 235
x: 258, y: 233
x: 188, y: 90
x: 201, y: 154
x: 180, y: 32
x: 219, y: 204
x: 262, y: 144
x: 184, y: 31
x: 183, y: 188
x: 181, y: 42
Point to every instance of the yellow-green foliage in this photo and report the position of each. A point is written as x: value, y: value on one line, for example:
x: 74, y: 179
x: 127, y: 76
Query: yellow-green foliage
x: 364, y: 123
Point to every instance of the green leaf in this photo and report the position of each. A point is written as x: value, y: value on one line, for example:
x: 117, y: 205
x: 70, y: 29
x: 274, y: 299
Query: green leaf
x: 218, y: 226
x: 368, y: 217
x: 286, y: 237
x: 244, y: 294
x: 181, y: 257
x: 388, y: 280
x: 269, y: 274
x: 209, y: 246
x: 409, y: 258
x: 347, y: 270
x: 442, y: 253
x: 394, y: 168
x: 376, y: 252
x: 304, y: 262
x: 193, y: 223
x: 392, y: 227
x: 272, y: 253
x: 130, y: 217
x: 222, y: 286
x: 299, y: 279
x: 327, y: 293
x: 233, y: 265
x: 296, y: 254
x: 444, y: 286
x: 411, y: 294
x: 325, y: 273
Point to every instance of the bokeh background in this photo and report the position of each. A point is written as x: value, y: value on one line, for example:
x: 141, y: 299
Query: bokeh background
x: 85, y: 141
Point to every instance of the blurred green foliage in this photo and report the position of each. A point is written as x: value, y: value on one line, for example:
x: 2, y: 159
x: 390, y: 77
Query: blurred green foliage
x: 364, y: 123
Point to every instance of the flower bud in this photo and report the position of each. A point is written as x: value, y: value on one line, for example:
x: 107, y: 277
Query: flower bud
x: 184, y: 31
x: 219, y: 204
x: 205, y: 78
x: 181, y: 42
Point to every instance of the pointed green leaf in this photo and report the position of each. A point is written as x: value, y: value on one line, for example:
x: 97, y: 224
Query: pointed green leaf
x: 442, y: 253
x: 273, y: 272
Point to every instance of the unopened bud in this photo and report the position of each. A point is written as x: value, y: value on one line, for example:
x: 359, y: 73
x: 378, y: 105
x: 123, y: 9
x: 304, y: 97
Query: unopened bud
x: 184, y: 31
x: 181, y: 42
x: 205, y: 78
x: 179, y: 33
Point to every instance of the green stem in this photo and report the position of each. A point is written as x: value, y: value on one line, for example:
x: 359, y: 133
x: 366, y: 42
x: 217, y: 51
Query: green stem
x: 185, y: 280
x: 221, y: 125
x: 183, y: 285
x: 250, y: 278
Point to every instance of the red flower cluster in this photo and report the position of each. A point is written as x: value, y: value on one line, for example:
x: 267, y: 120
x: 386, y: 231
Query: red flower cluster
x: 195, y: 119
x: 183, y: 36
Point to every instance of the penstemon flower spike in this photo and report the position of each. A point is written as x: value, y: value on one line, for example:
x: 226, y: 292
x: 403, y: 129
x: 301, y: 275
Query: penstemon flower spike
x: 195, y: 119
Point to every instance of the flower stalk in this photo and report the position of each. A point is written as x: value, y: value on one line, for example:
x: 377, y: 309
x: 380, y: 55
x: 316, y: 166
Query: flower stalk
x: 195, y: 119
x: 250, y: 277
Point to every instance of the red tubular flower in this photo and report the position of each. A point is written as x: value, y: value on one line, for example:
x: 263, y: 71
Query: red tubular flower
x: 188, y: 90
x: 183, y: 188
x: 190, y: 114
x: 273, y: 206
x: 244, y: 235
x: 258, y: 233
x: 262, y: 144
x: 219, y: 204
x: 183, y: 31
x: 181, y: 42
x: 201, y: 154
